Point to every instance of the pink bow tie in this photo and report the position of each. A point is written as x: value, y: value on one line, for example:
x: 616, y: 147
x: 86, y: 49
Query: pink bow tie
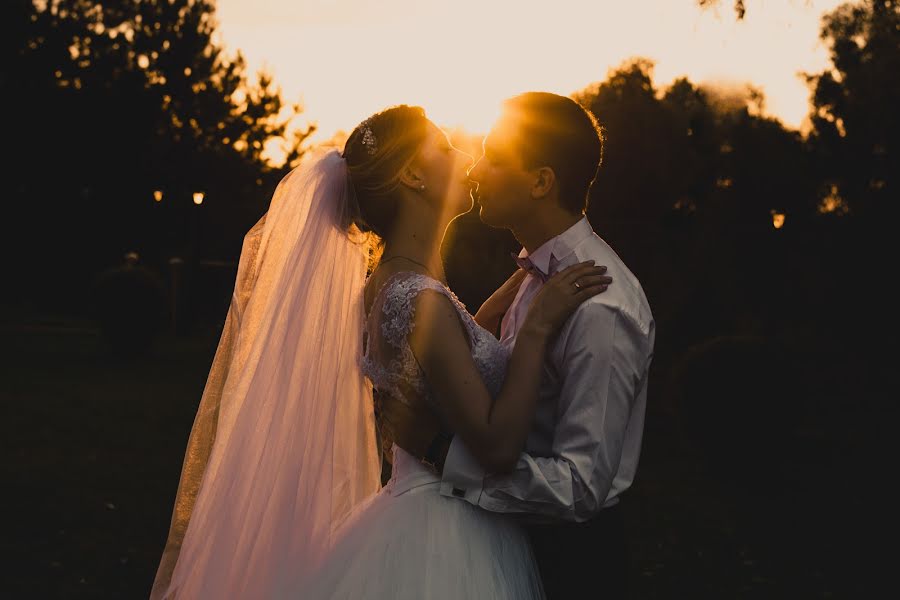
x: 530, y: 267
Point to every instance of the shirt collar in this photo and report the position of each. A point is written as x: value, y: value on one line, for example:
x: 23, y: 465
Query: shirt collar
x: 558, y: 247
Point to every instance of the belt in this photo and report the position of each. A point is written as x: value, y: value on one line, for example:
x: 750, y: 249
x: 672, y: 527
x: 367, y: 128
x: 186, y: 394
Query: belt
x: 436, y: 453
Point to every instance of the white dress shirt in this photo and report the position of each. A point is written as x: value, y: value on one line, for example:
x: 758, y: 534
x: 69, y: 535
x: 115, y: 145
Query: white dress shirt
x: 583, y: 449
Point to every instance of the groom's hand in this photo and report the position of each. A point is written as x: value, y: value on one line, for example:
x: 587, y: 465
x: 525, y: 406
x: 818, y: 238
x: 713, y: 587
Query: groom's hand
x: 413, y: 427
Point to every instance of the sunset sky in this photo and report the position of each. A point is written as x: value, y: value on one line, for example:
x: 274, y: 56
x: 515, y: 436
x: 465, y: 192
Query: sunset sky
x: 345, y: 59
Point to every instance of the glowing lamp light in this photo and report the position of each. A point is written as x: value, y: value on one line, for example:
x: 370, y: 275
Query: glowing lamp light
x: 777, y: 219
x: 834, y: 204
x: 158, y: 195
x: 198, y: 197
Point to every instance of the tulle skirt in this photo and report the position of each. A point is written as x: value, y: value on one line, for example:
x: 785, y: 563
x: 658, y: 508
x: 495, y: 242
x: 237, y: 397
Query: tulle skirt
x: 408, y: 542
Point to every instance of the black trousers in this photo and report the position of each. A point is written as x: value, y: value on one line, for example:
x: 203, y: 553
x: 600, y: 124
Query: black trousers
x: 583, y: 560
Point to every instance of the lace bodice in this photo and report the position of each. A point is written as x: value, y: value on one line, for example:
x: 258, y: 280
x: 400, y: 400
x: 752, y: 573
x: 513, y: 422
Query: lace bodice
x: 388, y: 359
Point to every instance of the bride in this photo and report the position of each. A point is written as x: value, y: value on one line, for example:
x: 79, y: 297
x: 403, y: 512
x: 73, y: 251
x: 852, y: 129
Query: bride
x: 280, y: 493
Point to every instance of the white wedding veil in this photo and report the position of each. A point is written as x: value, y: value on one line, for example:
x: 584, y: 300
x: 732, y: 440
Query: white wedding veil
x: 283, y: 445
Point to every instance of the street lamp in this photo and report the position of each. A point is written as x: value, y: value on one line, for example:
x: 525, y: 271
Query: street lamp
x: 777, y: 219
x: 198, y: 197
x: 158, y: 195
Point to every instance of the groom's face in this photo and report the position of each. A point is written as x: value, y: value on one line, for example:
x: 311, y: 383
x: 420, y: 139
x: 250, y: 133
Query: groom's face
x: 504, y: 184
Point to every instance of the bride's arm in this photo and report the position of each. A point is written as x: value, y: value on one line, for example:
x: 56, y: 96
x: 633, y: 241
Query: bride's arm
x: 494, y: 431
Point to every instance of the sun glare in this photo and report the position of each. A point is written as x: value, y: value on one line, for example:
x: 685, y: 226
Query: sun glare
x: 474, y: 118
x: 347, y: 59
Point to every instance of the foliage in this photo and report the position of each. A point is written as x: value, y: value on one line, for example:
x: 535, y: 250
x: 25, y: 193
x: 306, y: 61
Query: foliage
x: 115, y: 101
x: 855, y: 121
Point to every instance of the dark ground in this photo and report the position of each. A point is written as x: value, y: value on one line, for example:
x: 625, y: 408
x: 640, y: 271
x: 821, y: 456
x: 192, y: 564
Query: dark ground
x: 93, y: 446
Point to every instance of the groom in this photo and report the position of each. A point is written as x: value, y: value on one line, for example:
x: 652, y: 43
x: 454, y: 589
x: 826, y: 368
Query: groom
x: 539, y: 162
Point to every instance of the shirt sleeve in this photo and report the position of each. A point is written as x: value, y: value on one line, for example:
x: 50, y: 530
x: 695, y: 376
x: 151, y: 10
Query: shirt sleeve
x: 601, y: 358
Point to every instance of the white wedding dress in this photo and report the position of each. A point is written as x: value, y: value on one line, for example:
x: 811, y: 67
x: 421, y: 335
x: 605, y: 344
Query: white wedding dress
x: 408, y: 542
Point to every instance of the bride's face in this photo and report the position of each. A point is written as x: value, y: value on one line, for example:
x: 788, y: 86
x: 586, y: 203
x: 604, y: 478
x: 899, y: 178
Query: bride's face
x: 443, y: 169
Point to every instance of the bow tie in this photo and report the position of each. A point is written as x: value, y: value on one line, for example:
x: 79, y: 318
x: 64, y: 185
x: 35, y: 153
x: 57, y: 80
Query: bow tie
x: 530, y: 267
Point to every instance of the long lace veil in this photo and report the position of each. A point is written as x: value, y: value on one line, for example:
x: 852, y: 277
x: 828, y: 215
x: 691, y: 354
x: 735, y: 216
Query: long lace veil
x: 283, y: 444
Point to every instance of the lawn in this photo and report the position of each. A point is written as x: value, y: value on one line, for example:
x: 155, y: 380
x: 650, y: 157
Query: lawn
x: 93, y: 446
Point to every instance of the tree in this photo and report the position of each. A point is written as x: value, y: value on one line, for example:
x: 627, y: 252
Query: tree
x: 856, y: 126
x: 855, y: 136
x: 115, y: 101
x: 638, y: 132
x: 690, y: 178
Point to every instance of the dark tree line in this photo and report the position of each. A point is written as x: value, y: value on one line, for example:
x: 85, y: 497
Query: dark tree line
x: 112, y: 104
x: 109, y: 104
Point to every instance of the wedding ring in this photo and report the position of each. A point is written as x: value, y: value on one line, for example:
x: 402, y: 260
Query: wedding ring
x: 577, y: 285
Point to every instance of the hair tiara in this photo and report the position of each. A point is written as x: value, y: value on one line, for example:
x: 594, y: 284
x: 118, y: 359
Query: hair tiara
x: 368, y: 138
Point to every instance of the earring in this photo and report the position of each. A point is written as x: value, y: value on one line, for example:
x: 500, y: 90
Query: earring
x: 422, y: 187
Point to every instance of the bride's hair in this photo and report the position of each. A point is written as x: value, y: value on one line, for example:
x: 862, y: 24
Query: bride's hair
x: 376, y: 152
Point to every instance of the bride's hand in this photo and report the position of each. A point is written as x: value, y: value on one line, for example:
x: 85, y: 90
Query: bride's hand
x: 490, y: 313
x: 562, y: 294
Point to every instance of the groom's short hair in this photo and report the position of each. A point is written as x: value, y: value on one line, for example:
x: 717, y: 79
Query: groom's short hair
x: 555, y: 131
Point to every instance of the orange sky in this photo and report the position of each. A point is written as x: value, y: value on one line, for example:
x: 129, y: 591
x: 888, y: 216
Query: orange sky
x: 345, y: 59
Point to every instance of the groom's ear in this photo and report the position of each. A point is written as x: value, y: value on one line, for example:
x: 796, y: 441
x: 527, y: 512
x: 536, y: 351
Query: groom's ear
x: 544, y: 178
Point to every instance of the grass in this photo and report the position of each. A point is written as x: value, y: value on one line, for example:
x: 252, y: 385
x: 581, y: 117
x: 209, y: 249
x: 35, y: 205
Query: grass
x: 93, y: 446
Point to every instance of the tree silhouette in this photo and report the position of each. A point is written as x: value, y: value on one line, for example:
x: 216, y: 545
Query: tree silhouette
x: 638, y: 131
x: 854, y: 115
x: 116, y: 101
x: 668, y: 152
x: 691, y: 177
x: 856, y: 129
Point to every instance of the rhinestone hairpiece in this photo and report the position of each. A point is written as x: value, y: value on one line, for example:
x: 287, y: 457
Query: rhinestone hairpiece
x: 368, y: 138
